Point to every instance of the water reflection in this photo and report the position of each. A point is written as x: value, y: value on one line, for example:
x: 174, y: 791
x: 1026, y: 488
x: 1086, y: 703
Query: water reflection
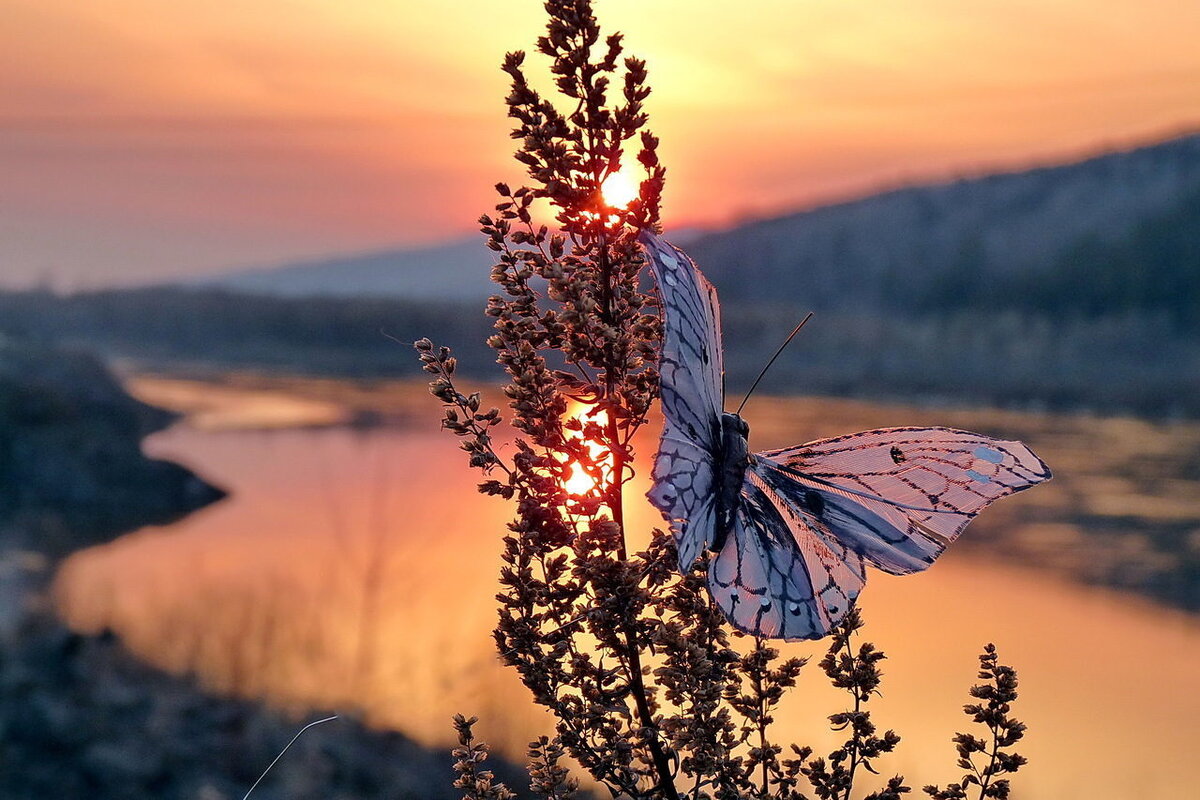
x: 358, y: 569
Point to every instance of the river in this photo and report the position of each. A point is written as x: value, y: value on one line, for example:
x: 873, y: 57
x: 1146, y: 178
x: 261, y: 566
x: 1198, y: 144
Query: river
x: 355, y: 569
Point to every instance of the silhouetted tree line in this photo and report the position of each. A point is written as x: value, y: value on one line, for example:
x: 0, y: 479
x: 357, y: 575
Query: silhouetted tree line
x: 1152, y: 271
x: 167, y: 325
x: 1133, y: 359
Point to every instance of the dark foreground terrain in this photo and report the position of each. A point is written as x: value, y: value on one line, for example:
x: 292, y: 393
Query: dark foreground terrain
x: 72, y: 470
x: 81, y: 718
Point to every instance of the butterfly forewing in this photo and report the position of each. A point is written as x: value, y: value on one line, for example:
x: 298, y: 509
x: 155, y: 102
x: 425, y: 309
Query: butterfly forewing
x: 780, y: 574
x: 692, y: 383
x: 899, y: 496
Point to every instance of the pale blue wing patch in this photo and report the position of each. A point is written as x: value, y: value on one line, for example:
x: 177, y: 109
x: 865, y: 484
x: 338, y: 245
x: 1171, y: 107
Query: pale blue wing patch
x: 691, y: 361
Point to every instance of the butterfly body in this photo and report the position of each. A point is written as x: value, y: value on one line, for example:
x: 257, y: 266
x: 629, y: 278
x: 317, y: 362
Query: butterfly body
x: 733, y: 459
x: 788, y: 532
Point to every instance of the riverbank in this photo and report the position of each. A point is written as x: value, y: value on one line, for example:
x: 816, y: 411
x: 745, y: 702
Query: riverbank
x: 80, y: 716
x: 72, y: 470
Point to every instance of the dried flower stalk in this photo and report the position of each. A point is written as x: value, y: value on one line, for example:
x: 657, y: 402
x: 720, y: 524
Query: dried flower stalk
x: 650, y: 694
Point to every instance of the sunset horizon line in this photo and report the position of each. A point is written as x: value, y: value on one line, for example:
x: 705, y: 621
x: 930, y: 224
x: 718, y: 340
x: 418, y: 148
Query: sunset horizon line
x: 1064, y: 158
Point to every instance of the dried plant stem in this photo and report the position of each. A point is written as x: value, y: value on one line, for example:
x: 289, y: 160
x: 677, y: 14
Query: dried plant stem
x: 286, y: 747
x: 760, y: 696
x: 650, y: 730
x: 855, y: 742
x: 580, y: 615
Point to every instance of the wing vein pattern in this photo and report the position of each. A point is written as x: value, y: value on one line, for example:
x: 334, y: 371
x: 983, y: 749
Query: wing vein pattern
x: 900, y: 496
x: 692, y: 375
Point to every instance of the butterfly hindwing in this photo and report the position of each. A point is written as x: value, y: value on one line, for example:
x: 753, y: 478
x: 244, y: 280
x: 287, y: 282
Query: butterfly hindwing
x: 780, y: 574
x: 693, y: 396
x: 899, y: 496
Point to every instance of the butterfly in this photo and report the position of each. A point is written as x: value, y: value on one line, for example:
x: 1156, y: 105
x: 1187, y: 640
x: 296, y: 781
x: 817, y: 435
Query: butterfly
x: 788, y: 533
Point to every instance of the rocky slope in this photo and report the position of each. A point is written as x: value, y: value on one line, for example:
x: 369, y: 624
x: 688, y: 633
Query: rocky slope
x: 71, y: 466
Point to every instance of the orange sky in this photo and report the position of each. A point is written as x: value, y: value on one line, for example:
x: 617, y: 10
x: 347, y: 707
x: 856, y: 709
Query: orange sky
x: 143, y: 138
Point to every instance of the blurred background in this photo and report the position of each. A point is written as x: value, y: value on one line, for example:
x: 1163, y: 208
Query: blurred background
x: 225, y: 507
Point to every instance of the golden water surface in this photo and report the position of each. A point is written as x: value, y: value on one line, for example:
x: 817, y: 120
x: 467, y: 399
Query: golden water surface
x: 356, y: 570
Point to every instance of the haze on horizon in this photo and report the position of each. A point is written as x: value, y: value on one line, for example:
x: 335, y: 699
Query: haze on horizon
x: 142, y: 140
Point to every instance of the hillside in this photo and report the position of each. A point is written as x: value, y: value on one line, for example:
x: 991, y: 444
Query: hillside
x: 934, y: 248
x: 1058, y: 239
x: 457, y: 271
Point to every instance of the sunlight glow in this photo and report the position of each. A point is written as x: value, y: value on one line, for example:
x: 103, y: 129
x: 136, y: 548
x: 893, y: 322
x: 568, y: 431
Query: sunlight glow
x: 579, y: 483
x: 619, y: 189
x: 301, y: 128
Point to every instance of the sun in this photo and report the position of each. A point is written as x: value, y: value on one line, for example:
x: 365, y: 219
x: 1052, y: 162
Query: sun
x: 578, y: 482
x: 619, y: 189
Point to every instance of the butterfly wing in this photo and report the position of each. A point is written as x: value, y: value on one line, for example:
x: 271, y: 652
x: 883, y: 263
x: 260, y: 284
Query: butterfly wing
x: 782, y: 573
x: 693, y: 397
x: 899, y: 496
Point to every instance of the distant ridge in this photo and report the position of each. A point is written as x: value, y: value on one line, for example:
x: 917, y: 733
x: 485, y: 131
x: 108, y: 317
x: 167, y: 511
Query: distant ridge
x: 914, y: 247
x: 1069, y: 287
x: 455, y: 271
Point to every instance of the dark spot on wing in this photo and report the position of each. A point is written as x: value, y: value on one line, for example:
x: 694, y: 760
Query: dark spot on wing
x: 814, y: 503
x: 898, y: 455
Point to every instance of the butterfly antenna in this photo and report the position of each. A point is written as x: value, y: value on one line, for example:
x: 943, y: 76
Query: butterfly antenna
x: 791, y: 336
